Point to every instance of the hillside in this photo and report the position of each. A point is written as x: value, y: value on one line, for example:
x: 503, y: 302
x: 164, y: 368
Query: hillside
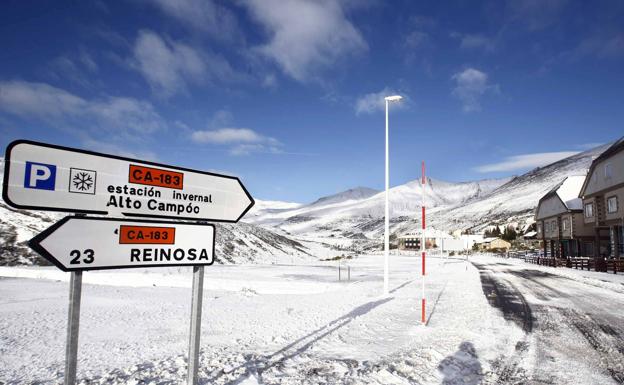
x: 451, y: 206
x: 343, y: 221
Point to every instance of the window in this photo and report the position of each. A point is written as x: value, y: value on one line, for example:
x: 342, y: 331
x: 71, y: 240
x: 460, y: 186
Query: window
x: 539, y: 228
x: 612, y: 204
x: 607, y: 170
x: 547, y: 225
x: 564, y: 224
x: 589, y: 210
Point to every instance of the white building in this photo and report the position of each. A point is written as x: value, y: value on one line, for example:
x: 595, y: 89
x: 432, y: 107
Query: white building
x: 435, y: 239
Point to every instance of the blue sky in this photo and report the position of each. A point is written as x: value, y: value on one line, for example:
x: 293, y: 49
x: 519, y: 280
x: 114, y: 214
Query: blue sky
x: 288, y: 94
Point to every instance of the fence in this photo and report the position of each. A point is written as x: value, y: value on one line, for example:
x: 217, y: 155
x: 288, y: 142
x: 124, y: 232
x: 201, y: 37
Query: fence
x: 615, y: 265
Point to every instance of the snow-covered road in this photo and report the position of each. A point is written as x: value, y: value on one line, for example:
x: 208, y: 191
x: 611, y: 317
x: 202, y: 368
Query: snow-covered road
x: 492, y: 321
x: 574, y: 330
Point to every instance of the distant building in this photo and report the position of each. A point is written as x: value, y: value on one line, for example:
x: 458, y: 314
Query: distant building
x: 468, y: 240
x: 529, y: 239
x: 603, y: 194
x: 560, y: 224
x: 435, y: 239
x: 493, y: 243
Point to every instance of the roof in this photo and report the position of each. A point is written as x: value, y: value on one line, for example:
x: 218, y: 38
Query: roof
x: 614, y: 149
x: 530, y: 234
x: 568, y: 191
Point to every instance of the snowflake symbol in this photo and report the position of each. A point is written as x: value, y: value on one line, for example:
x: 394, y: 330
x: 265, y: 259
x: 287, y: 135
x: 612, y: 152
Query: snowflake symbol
x: 83, y: 181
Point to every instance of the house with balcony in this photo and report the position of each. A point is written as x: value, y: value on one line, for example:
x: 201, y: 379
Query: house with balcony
x: 603, y: 194
x: 560, y: 223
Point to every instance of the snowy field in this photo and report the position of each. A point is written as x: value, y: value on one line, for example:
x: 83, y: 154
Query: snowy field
x: 490, y: 321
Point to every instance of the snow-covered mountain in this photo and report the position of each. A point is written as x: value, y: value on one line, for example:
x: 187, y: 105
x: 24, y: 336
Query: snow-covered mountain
x: 357, y: 214
x: 349, y: 195
x: 347, y: 220
x: 235, y: 243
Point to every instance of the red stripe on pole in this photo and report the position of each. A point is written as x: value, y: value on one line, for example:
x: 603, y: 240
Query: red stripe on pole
x: 423, y: 263
x: 424, y: 181
x: 423, y: 217
x: 423, y: 312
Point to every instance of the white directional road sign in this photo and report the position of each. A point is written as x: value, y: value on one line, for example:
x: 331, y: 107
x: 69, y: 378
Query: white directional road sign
x: 90, y: 243
x: 46, y: 177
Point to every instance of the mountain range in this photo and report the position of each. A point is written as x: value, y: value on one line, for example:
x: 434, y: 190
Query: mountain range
x: 349, y: 221
x: 354, y: 219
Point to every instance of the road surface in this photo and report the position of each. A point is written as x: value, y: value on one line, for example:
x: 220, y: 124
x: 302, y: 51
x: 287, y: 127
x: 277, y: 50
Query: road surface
x: 574, y: 331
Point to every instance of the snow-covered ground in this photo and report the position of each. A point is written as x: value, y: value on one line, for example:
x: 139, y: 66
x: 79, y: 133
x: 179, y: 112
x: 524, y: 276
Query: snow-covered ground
x: 490, y: 321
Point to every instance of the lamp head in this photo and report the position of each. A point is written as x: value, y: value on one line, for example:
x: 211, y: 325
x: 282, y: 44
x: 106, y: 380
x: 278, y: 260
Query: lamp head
x: 393, y: 98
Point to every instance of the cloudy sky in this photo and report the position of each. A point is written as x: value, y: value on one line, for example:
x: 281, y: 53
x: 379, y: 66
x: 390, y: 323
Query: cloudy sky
x: 288, y: 94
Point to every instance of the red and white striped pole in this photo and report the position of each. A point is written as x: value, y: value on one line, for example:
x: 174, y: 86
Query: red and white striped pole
x: 423, y: 308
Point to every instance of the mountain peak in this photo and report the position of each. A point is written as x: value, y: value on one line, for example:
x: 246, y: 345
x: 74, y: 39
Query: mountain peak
x: 350, y: 194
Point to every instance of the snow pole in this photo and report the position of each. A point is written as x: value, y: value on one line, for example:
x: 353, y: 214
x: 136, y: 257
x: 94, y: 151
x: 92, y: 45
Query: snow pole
x: 423, y: 303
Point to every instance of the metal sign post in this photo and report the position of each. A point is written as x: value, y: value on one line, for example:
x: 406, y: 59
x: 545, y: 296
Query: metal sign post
x: 423, y: 248
x: 196, y: 313
x: 73, y: 326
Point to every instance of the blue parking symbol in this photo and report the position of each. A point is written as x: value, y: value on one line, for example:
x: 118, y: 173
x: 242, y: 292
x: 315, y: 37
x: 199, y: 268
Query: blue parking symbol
x: 40, y: 176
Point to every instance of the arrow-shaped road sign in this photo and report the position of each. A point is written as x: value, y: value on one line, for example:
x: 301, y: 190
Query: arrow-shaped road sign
x: 46, y: 177
x: 77, y: 243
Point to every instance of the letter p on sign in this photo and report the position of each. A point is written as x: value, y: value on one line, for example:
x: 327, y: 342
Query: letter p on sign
x: 40, y: 176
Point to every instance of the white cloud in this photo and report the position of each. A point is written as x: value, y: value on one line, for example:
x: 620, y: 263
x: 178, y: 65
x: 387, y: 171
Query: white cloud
x: 470, y: 85
x: 202, y: 15
x: 243, y: 141
x: 589, y: 146
x: 246, y: 149
x: 169, y: 66
x: 476, y: 42
x: 78, y: 69
x: 120, y: 116
x: 306, y: 36
x: 417, y: 39
x: 536, y: 14
x: 369, y: 103
x: 116, y: 149
x: 227, y: 135
x: 525, y: 161
x: 603, y: 46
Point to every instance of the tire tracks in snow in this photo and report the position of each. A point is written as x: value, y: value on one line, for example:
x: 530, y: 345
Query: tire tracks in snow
x: 604, y: 337
x: 606, y: 340
x: 504, y: 296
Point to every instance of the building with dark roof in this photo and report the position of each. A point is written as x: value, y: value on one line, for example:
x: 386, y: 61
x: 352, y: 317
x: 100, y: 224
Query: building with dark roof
x: 602, y: 194
x: 560, y: 225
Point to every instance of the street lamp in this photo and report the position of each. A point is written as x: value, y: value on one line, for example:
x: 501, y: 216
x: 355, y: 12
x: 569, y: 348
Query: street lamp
x: 388, y: 99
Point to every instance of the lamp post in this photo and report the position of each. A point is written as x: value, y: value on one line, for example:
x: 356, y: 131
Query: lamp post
x: 388, y: 99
